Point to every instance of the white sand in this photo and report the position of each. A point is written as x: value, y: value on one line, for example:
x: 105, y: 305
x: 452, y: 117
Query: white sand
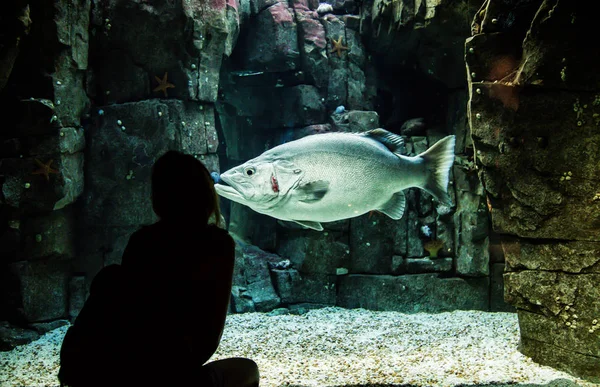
x: 334, y: 346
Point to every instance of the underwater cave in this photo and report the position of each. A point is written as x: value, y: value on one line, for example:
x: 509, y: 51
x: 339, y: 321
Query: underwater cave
x: 474, y: 264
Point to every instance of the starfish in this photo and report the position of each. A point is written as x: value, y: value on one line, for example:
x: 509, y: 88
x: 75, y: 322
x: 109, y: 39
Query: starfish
x: 45, y: 169
x: 163, y: 85
x: 337, y: 46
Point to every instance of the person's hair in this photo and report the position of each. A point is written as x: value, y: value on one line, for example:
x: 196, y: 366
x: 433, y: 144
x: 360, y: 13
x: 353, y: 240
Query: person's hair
x: 183, y: 190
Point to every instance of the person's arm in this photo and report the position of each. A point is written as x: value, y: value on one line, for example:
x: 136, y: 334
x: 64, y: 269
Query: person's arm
x: 215, y: 294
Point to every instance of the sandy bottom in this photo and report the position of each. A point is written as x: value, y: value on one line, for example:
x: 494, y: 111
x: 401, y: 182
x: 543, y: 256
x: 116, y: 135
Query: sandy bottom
x: 340, y: 347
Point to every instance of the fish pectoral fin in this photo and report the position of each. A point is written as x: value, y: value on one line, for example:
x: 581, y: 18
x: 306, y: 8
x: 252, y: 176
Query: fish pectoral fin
x: 313, y: 191
x: 308, y: 224
x: 394, y: 208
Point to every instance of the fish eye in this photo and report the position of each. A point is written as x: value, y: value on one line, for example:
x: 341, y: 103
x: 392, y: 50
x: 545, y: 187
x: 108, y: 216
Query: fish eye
x: 249, y: 171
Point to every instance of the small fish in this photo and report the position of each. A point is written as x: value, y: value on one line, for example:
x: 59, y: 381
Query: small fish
x: 216, y: 177
x: 333, y: 176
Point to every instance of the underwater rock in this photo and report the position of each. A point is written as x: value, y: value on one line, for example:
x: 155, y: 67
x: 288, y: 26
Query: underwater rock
x: 356, y: 120
x: 294, y: 287
x: 271, y: 42
x: 99, y: 246
x: 263, y: 295
x: 564, y: 305
x: 274, y: 116
x: 190, y: 55
x: 251, y: 226
x: 19, y: 14
x: 357, y: 83
x: 27, y: 187
x: 241, y: 300
x: 12, y: 336
x: 256, y: 263
x: 151, y: 127
x: 314, y: 253
x: 345, y: 7
x: 400, y: 233
x: 45, y: 327
x: 419, y: 32
x: 401, y: 265
x: 253, y: 287
x: 42, y: 288
x: 302, y: 106
x: 407, y: 293
x: 413, y: 239
x: 313, y: 46
x: 371, y: 243
x: 305, y: 307
x: 534, y: 343
x: 413, y: 127
x: 445, y: 232
x: 428, y: 265
x: 540, y: 199
x: 497, y: 303
x: 78, y: 293
x: 48, y: 235
x: 457, y: 114
x: 472, y: 253
x: 543, y: 199
x: 337, y: 88
x: 256, y: 6
x: 472, y: 224
x: 71, y: 60
x: 279, y: 312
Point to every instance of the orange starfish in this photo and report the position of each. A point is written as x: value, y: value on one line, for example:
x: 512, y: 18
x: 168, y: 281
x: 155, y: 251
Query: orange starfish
x: 337, y: 46
x: 45, y: 169
x: 163, y: 85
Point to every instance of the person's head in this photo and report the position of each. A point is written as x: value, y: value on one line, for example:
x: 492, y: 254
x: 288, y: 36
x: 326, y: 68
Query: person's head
x: 183, y: 190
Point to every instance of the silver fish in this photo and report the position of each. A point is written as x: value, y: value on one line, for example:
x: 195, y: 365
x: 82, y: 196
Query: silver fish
x: 332, y: 176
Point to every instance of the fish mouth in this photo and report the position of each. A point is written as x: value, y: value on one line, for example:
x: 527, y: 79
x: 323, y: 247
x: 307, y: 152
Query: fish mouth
x: 224, y: 189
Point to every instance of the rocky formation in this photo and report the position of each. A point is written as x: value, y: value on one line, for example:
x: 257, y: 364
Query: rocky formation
x: 100, y: 88
x: 41, y: 169
x: 533, y: 111
x: 225, y: 81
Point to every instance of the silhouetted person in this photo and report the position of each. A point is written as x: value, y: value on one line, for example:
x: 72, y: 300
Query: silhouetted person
x: 157, y: 318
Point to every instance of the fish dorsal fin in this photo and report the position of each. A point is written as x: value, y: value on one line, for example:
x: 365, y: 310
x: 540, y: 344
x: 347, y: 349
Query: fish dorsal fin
x: 394, y: 208
x: 392, y: 141
x: 308, y: 224
x: 313, y: 191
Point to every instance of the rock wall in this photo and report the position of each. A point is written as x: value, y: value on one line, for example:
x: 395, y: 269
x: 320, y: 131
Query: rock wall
x: 533, y: 111
x: 99, y: 90
x: 42, y: 159
x: 102, y: 97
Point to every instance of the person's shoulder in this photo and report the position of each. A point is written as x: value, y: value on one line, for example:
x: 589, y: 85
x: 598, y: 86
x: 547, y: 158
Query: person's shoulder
x: 220, y: 234
x: 144, y: 232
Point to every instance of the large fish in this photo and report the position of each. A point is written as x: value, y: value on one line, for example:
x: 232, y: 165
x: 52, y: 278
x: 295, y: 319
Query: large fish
x: 332, y: 176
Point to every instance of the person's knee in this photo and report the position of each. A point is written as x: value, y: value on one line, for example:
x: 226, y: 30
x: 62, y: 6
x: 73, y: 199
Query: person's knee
x: 247, y: 371
x: 250, y: 369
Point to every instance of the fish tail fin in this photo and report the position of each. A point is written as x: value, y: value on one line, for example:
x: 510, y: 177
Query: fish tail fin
x: 438, y: 161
